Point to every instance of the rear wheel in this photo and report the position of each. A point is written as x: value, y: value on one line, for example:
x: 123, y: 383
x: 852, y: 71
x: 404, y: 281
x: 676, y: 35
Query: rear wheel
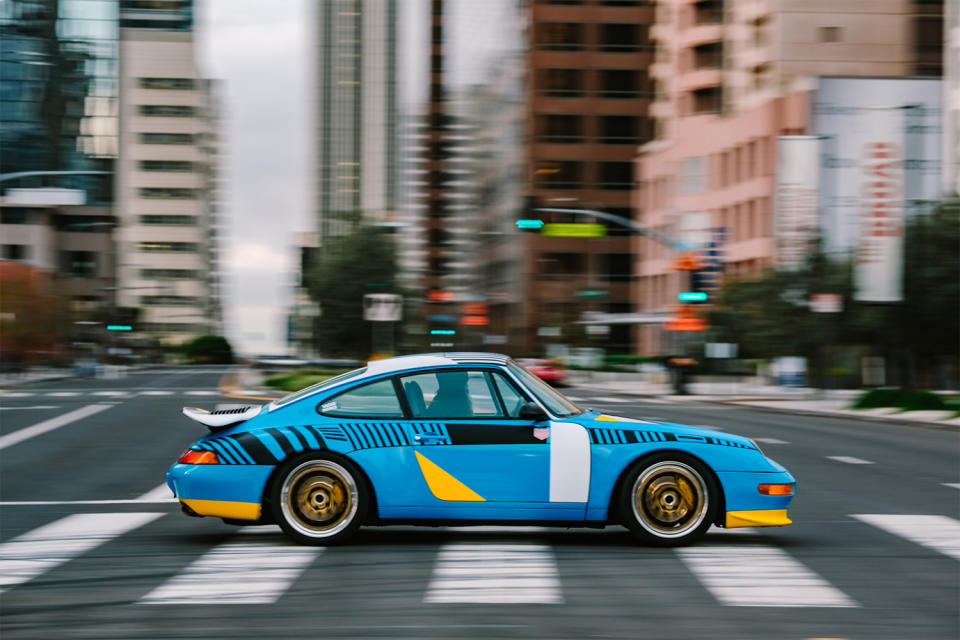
x: 319, y: 499
x: 669, y: 499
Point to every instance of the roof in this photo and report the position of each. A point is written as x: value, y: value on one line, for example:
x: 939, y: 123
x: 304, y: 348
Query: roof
x: 399, y: 363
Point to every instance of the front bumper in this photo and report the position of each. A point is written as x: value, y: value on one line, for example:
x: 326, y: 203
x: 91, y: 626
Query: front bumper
x: 223, y: 491
x: 747, y: 507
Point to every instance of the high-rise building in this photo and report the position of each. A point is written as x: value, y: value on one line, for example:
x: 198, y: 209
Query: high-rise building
x: 731, y: 77
x: 166, y: 185
x: 587, y: 109
x: 58, y: 146
x: 951, y: 103
x: 356, y: 114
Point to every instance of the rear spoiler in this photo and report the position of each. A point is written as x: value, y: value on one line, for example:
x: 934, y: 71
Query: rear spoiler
x: 223, y: 418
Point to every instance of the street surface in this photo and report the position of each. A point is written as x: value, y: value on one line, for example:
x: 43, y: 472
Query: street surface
x: 92, y: 546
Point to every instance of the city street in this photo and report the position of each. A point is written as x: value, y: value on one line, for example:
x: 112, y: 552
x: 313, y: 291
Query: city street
x: 93, y: 546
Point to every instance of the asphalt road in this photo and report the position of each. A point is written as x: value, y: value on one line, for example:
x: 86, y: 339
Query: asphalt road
x: 90, y: 549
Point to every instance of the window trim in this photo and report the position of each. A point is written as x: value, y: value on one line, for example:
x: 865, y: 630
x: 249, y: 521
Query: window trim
x: 403, y: 410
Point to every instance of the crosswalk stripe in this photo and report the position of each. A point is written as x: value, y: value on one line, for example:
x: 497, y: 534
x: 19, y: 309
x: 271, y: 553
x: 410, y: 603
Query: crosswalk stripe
x: 236, y: 573
x: 155, y: 393
x: 49, y: 425
x: 109, y: 393
x: 849, y: 460
x: 64, y: 394
x: 939, y: 533
x: 760, y: 576
x: 15, y: 394
x: 161, y: 493
x: 202, y: 393
x: 495, y: 573
x: 955, y: 485
x: 608, y: 399
x: 38, y: 551
x: 771, y: 441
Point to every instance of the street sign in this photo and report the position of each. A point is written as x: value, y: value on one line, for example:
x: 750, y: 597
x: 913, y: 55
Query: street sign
x: 574, y: 230
x: 382, y: 307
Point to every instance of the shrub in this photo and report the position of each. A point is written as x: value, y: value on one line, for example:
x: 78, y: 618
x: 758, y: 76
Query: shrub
x: 208, y: 350
x: 300, y: 378
x: 901, y: 399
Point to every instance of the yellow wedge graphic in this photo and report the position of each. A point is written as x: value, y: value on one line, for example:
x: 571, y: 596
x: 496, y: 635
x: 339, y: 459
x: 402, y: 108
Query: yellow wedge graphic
x: 443, y: 485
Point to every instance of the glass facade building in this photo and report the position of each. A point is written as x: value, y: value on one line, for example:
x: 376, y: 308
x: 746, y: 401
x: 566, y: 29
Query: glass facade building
x: 58, y: 93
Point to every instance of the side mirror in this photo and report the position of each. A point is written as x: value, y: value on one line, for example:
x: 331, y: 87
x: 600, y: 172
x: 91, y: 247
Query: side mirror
x: 532, y: 411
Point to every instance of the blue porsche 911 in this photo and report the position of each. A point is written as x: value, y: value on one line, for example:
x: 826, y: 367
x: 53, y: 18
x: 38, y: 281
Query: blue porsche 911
x: 468, y: 438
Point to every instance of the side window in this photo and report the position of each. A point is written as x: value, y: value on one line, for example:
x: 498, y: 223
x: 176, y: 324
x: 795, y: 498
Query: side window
x: 512, y: 399
x: 450, y: 394
x: 374, y: 400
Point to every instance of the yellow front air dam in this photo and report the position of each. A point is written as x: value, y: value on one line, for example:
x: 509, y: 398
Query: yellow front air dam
x: 763, y: 518
x: 224, y: 508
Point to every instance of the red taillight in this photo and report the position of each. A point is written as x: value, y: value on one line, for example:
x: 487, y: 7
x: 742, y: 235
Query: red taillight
x: 776, y: 489
x: 193, y: 456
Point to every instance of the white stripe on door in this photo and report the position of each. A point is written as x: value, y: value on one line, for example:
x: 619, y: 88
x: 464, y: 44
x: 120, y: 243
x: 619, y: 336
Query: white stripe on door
x: 939, y: 533
x: 49, y: 546
x: 495, y: 573
x: 760, y: 576
x: 237, y: 573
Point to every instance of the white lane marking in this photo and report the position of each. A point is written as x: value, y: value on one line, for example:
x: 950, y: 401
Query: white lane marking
x: 608, y: 399
x: 51, y: 424
x: 64, y: 394
x: 770, y: 441
x: 155, y: 393
x: 495, y: 573
x: 569, y: 462
x: 760, y: 576
x: 940, y: 533
x: 39, y: 406
x: 38, y: 551
x: 955, y: 485
x: 849, y: 460
x: 236, y: 573
x: 16, y: 394
x: 109, y: 393
x: 161, y: 493
x: 202, y: 393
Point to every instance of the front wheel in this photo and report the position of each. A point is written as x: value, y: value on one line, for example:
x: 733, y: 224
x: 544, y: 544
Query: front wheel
x: 669, y: 500
x: 319, y: 500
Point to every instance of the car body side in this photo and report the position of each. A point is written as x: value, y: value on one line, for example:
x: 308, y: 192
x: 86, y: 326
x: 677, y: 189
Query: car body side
x: 387, y: 451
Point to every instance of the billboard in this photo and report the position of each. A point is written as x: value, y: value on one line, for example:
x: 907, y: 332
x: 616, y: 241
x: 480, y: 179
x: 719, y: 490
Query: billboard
x: 796, y: 199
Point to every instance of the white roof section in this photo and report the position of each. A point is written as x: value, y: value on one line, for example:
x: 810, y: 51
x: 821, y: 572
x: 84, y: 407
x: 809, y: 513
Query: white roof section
x: 386, y: 365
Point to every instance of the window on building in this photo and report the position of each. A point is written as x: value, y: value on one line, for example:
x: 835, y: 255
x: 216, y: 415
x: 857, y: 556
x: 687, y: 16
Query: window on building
x: 166, y: 110
x: 708, y: 56
x: 614, y: 267
x: 167, y: 83
x: 761, y: 30
x: 707, y: 100
x: 619, y: 130
x: 559, y: 174
x: 561, y: 83
x: 167, y: 165
x: 561, y: 265
x: 167, y: 247
x: 928, y: 45
x: 830, y: 34
x: 79, y: 264
x: 168, y: 220
x: 560, y: 36
x: 560, y: 128
x: 169, y: 301
x: 168, y: 193
x: 708, y: 12
x: 694, y: 176
x: 16, y: 215
x: 169, y: 274
x: 167, y: 138
x: 621, y: 83
x: 615, y: 176
x: 623, y: 36
x: 15, y: 251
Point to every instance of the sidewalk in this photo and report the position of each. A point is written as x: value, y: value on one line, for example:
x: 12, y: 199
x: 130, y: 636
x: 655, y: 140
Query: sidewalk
x: 805, y: 401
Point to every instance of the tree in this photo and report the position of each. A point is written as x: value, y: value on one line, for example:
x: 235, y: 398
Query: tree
x: 349, y: 267
x: 208, y: 350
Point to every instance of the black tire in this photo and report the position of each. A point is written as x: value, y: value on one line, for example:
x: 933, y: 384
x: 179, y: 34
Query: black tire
x: 669, y: 499
x: 319, y: 498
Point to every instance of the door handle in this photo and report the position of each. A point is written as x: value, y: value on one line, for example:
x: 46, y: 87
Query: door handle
x: 424, y: 438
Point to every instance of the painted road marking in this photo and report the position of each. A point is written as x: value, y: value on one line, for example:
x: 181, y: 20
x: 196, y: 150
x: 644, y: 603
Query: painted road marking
x: 495, y: 573
x: 155, y: 393
x: 202, y: 393
x: 15, y: 394
x: 760, y: 576
x: 237, y: 573
x: 38, y: 551
x: 39, y: 406
x: 64, y: 394
x: 161, y: 493
x: 109, y: 393
x: 850, y: 460
x: 939, y: 533
x: 770, y: 441
x: 608, y: 399
x: 51, y: 424
x: 955, y: 485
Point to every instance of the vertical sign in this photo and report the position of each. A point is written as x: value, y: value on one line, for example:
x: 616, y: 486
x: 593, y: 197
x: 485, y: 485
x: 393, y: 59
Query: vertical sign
x: 796, y: 205
x: 878, y: 276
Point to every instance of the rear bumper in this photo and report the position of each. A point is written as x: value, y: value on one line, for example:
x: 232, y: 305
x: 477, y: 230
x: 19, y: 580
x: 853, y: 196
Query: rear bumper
x: 223, y: 491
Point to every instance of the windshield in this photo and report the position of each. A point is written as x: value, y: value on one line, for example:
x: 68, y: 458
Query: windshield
x: 548, y: 397
x: 329, y: 382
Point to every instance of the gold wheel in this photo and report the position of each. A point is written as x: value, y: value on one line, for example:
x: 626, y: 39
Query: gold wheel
x: 319, y: 499
x: 669, y: 499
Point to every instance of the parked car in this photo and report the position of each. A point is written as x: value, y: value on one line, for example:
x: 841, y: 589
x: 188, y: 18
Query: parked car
x: 550, y: 371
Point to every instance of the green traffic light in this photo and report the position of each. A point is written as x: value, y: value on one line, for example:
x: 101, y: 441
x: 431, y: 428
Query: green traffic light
x: 119, y: 327
x: 692, y: 296
x: 529, y: 223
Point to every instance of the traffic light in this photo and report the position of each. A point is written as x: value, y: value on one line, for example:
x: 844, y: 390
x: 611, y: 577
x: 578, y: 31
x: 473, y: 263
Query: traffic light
x: 530, y: 219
